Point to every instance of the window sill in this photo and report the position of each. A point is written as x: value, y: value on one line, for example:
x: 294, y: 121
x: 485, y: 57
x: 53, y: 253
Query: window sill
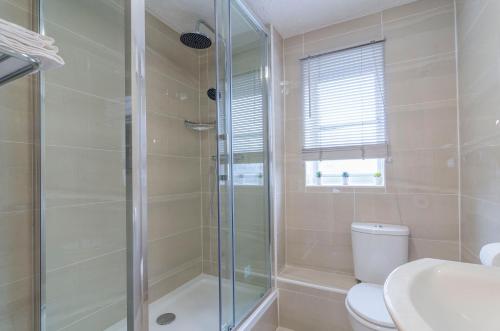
x: 348, y: 186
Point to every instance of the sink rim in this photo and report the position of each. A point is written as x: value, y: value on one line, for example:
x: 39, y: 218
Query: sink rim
x: 398, y: 289
x: 397, y: 294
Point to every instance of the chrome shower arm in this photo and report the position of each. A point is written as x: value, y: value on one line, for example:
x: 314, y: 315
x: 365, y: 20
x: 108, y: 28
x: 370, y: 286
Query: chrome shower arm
x: 202, y: 22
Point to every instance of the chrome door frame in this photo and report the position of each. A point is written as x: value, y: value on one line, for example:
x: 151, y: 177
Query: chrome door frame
x: 136, y: 165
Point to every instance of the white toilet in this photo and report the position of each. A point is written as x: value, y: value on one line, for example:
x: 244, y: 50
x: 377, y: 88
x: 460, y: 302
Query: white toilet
x: 378, y: 249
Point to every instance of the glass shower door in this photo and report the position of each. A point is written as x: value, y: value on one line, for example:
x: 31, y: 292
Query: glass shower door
x: 249, y: 122
x: 224, y: 167
x: 243, y: 162
x: 88, y: 116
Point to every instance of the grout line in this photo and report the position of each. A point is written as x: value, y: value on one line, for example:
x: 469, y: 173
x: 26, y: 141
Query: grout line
x: 100, y: 309
x: 86, y: 148
x: 85, y: 93
x: 416, y: 60
x: 177, y: 270
x: 88, y: 204
x: 20, y: 280
x: 419, y: 13
x: 6, y: 141
x: 176, y: 234
x: 73, y: 264
x: 170, y: 77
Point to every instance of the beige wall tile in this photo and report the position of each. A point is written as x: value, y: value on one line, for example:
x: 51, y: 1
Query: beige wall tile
x: 82, y: 289
x: 16, y: 193
x: 295, y: 178
x: 421, y: 35
x: 268, y: 321
x: 177, y: 174
x: 186, y: 245
x: 432, y: 217
x: 101, y: 319
x: 77, y: 233
x: 16, y: 310
x: 312, y: 211
x: 169, y: 96
x: 77, y: 119
x: 479, y: 86
x: 173, y: 175
x: 436, y: 123
x: 100, y: 70
x: 445, y: 250
x: 302, y: 312
x: 102, y: 24
x: 422, y: 80
x: 16, y: 190
x: 176, y: 279
x: 169, y: 136
x: 414, y: 8
x: 17, y: 96
x: 323, y: 250
x: 16, y: 248
x: 422, y: 175
x: 15, y: 124
x: 76, y: 176
x: 168, y: 216
x: 335, y: 42
x: 423, y: 171
x: 344, y: 28
x: 479, y: 222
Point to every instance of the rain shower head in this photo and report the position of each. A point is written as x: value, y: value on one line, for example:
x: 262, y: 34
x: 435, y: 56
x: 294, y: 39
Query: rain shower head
x: 197, y: 39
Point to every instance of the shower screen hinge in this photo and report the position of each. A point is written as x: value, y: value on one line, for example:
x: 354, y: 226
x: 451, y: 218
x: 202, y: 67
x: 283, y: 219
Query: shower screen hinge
x: 223, y: 137
x: 223, y: 177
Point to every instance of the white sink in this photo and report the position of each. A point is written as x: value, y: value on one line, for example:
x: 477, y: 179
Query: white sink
x: 441, y: 295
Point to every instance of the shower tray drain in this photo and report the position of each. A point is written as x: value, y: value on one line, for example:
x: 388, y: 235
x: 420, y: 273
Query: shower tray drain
x: 165, y: 319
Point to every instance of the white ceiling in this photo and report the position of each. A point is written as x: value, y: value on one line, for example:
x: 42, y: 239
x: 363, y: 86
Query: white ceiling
x: 290, y: 17
x: 293, y: 17
x: 182, y: 15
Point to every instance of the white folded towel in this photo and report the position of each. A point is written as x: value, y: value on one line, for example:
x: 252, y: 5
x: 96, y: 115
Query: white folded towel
x: 15, y: 38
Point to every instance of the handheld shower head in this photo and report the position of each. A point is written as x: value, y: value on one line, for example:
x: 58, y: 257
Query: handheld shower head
x: 212, y: 94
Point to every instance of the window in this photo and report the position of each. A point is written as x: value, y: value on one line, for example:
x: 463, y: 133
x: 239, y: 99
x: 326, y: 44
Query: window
x: 344, y: 116
x: 367, y: 172
x: 248, y: 129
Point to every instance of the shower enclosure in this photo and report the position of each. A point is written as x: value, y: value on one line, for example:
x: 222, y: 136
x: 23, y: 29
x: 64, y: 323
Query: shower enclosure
x: 150, y: 169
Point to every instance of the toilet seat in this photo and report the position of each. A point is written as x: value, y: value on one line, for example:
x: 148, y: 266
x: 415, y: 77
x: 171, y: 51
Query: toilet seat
x: 367, y: 302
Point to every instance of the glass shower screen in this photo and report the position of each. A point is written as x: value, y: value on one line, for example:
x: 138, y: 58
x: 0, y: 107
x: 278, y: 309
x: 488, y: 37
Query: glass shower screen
x: 243, y: 163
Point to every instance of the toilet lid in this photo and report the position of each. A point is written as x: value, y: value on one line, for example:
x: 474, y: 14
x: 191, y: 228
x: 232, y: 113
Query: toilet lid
x: 367, y: 301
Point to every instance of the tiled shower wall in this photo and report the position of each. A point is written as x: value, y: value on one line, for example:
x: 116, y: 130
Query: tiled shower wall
x: 478, y: 32
x: 422, y: 177
x: 174, y: 160
x: 84, y: 169
x: 16, y: 189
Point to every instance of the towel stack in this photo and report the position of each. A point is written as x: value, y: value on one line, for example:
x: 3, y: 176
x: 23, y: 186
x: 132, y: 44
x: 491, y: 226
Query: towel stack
x: 15, y: 38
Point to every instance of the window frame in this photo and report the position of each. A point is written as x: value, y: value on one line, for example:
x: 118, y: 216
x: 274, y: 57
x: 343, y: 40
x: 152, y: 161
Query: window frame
x: 313, y: 181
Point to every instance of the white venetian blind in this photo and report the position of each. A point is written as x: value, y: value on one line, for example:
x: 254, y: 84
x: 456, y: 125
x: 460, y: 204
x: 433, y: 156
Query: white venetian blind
x: 247, y: 117
x: 343, y: 96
